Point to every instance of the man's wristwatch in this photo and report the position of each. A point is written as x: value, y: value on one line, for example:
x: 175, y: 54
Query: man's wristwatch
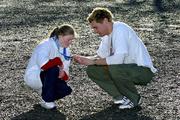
x: 94, y: 61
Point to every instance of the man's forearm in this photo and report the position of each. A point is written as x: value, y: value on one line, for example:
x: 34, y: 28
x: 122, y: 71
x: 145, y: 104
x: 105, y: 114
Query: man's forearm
x: 100, y: 61
x: 90, y: 60
x: 97, y: 60
x: 93, y: 57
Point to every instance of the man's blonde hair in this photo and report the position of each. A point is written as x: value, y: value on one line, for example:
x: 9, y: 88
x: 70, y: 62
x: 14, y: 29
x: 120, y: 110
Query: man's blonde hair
x: 99, y: 14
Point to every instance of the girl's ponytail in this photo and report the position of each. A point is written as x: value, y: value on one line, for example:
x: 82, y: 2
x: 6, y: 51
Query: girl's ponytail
x: 54, y: 33
x: 64, y: 29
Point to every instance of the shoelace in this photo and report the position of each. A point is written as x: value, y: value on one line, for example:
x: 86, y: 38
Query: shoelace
x: 124, y: 98
x: 131, y: 104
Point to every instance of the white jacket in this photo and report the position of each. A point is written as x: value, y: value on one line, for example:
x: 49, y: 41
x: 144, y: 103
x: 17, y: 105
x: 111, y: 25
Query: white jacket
x: 45, y: 51
x: 127, y: 47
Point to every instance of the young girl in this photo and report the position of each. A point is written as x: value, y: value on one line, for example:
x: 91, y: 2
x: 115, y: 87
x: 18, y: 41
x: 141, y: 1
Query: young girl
x: 47, y: 70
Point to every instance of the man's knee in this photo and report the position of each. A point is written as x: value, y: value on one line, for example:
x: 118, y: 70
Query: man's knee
x: 90, y: 70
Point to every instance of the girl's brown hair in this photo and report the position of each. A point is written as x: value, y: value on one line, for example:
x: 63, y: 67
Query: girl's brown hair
x: 63, y: 30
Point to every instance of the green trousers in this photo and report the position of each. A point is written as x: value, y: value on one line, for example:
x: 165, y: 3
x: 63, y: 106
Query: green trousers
x: 120, y: 80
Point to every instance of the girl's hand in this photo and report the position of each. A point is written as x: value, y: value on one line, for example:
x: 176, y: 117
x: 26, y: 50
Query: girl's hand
x: 61, y: 71
x: 61, y: 74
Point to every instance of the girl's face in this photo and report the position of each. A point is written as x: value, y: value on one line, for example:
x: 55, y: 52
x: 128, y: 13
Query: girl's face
x: 66, y: 40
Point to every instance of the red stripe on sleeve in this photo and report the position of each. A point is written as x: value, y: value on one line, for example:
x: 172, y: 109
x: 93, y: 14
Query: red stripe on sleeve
x: 51, y: 63
x: 66, y: 77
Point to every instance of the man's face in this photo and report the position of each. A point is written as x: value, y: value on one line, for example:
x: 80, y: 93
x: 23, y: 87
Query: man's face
x: 99, y: 28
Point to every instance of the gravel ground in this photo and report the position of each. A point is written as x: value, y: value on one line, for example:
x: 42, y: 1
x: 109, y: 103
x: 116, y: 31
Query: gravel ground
x: 24, y: 23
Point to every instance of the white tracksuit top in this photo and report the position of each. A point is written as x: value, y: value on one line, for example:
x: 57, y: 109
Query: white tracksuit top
x: 127, y: 47
x: 45, y: 51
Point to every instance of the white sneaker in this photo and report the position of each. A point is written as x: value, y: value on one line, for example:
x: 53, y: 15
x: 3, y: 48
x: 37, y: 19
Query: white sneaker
x: 126, y: 106
x: 48, y: 105
x: 140, y: 101
x: 129, y: 105
x: 124, y: 100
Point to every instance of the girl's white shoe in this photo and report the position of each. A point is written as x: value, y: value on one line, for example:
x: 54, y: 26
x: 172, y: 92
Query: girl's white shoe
x: 48, y: 105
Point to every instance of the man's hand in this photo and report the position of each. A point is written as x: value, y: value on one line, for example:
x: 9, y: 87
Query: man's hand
x: 83, y: 60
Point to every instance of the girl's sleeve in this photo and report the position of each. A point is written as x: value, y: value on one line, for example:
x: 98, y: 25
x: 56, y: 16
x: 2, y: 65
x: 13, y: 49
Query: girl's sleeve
x: 66, y: 76
x: 42, y: 54
x: 51, y: 63
x: 43, y: 59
